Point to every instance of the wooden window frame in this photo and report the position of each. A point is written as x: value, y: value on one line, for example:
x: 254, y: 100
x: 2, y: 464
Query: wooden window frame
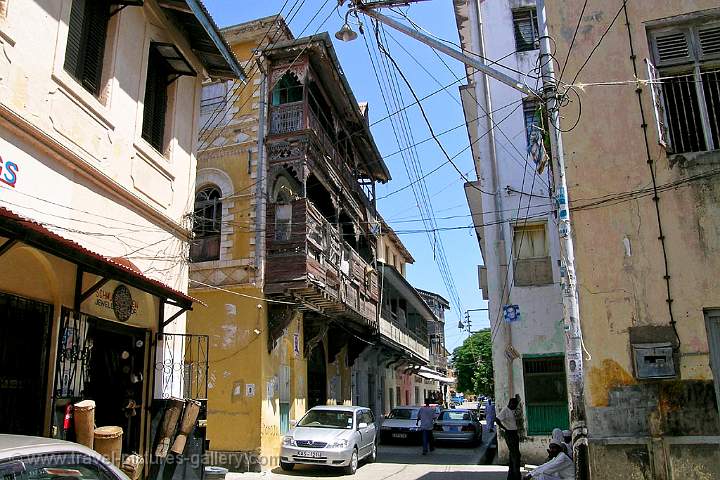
x: 521, y: 15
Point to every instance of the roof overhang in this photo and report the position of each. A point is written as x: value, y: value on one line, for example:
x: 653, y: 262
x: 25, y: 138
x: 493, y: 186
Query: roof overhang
x: 429, y: 374
x: 326, y: 65
x: 206, y: 41
x: 29, y: 232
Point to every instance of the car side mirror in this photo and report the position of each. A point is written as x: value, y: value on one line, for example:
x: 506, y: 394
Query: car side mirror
x: 293, y: 423
x: 362, y: 425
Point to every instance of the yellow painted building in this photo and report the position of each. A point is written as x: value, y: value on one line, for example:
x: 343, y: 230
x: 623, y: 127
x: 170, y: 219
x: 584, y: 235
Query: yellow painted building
x: 255, y: 383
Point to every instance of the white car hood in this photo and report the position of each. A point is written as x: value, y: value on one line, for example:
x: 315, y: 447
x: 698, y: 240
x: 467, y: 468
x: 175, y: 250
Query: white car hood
x: 394, y: 422
x: 327, y: 435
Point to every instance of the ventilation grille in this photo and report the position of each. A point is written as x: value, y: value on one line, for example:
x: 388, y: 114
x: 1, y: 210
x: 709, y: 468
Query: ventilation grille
x: 710, y: 41
x: 672, y: 48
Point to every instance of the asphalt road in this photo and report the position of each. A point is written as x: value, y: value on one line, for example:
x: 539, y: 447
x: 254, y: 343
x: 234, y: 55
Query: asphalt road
x: 403, y: 462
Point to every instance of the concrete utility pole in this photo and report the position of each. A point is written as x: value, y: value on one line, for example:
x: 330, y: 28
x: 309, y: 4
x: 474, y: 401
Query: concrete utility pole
x: 571, y: 309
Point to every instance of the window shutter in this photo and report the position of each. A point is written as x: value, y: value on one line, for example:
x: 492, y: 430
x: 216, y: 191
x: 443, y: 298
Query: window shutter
x: 155, y: 106
x: 97, y: 20
x: 658, y: 105
x: 73, y: 50
x: 672, y: 48
x: 709, y: 38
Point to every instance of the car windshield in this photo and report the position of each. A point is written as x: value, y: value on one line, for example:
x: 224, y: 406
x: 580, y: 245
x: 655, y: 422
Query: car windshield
x: 456, y: 415
x: 403, y: 414
x: 327, y: 419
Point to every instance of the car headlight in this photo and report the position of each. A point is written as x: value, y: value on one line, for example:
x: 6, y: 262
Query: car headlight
x: 288, y: 440
x: 339, y: 444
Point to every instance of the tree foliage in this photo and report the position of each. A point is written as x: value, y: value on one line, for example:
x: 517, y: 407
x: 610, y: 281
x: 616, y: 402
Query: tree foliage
x: 473, y: 366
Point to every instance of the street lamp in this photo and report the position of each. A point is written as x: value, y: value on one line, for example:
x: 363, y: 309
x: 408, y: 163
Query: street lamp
x: 346, y: 33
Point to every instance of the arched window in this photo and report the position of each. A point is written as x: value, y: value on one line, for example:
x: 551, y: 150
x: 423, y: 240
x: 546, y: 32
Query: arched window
x: 287, y: 90
x: 206, y: 225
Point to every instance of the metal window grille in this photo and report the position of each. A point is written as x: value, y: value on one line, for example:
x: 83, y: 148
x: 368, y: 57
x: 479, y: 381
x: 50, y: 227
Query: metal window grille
x: 687, y: 67
x: 85, y: 49
x: 526, y: 29
x: 207, y: 225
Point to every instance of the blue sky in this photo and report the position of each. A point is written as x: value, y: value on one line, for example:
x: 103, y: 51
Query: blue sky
x: 445, y: 187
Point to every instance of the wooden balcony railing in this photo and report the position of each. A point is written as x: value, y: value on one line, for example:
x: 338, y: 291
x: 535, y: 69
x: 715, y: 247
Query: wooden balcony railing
x: 287, y: 118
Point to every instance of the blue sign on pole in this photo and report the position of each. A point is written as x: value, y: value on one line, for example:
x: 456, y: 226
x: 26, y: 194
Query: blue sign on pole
x: 511, y: 313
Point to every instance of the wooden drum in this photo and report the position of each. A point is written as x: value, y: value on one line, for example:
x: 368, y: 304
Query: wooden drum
x: 108, y: 442
x: 84, y: 416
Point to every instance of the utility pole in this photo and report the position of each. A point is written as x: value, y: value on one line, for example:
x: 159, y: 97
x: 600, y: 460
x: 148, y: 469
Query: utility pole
x: 571, y: 310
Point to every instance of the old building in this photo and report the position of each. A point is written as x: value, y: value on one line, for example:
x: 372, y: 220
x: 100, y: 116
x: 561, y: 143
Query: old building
x: 97, y: 143
x: 514, y: 218
x: 385, y: 372
x: 644, y: 187
x: 250, y: 397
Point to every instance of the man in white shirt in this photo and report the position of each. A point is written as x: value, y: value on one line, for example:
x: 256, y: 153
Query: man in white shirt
x: 506, y: 421
x: 559, y: 467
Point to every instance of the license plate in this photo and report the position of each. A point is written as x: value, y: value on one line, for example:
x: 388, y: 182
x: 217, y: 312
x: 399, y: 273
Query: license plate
x: 399, y: 435
x: 454, y: 429
x: 303, y: 453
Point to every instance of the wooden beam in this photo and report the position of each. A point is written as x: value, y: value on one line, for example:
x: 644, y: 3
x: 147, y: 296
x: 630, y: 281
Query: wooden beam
x: 174, y: 316
x: 78, y: 287
x: 7, y: 245
x: 93, y: 289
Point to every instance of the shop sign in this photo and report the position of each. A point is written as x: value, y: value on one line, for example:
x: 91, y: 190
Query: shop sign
x: 120, y: 301
x: 8, y: 172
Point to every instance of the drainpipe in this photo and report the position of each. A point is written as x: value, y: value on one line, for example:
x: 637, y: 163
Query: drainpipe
x: 260, y: 188
x: 498, y: 230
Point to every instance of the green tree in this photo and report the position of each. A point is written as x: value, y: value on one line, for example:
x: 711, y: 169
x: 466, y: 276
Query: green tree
x: 473, y: 366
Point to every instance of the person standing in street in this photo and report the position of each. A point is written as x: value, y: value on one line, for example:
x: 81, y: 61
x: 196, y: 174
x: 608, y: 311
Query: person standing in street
x: 506, y: 421
x: 426, y: 420
x: 490, y: 415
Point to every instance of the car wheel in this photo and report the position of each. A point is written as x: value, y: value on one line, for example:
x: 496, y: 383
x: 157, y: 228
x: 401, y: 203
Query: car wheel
x: 352, y: 467
x: 373, y: 453
x: 286, y: 466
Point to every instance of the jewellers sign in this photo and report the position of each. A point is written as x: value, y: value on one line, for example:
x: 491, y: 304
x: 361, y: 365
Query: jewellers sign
x: 119, y: 301
x: 9, y: 172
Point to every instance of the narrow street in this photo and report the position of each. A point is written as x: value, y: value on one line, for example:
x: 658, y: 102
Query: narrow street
x: 404, y: 462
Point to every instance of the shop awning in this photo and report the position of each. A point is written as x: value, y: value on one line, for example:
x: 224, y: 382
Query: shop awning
x: 430, y: 374
x: 29, y: 232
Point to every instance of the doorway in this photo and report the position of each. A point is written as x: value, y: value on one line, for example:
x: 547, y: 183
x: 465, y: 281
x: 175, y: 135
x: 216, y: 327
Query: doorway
x: 712, y: 323
x: 24, y: 346
x: 317, y: 377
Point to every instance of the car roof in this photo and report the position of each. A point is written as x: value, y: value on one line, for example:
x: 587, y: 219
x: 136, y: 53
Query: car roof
x: 464, y: 410
x: 406, y: 407
x: 12, y: 446
x: 342, y: 408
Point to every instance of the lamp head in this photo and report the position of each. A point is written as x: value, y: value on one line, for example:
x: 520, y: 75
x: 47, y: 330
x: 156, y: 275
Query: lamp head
x: 346, y: 34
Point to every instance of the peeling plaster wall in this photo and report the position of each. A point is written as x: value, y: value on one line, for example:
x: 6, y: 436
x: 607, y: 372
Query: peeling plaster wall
x: 638, y: 428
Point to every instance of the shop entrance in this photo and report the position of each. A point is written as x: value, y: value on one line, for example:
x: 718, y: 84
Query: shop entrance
x: 317, y: 377
x: 24, y: 346
x: 104, y: 361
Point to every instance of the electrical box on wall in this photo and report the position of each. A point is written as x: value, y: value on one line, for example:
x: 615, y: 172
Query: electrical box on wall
x: 653, y: 360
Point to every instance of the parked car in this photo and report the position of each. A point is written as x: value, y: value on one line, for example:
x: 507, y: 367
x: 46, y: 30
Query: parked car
x: 401, y: 425
x: 336, y: 436
x: 40, y: 458
x: 458, y: 424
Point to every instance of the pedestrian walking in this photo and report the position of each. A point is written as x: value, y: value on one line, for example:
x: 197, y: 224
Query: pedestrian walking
x: 426, y: 420
x: 490, y: 415
x: 506, y: 421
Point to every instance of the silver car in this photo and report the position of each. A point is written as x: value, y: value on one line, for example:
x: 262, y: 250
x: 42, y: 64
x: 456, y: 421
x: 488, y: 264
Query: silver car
x: 459, y: 425
x: 336, y: 436
x: 40, y: 458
